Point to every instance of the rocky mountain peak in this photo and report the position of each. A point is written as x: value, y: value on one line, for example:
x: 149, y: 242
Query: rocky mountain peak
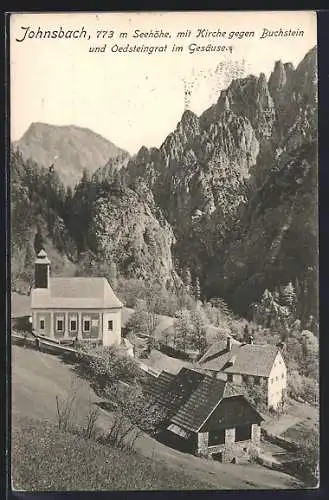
x: 278, y: 78
x: 249, y: 97
x: 69, y: 148
x: 175, y: 144
x: 289, y: 67
x: 143, y: 154
x: 306, y: 77
x: 188, y: 127
x: 188, y: 117
x: 223, y: 103
x: 262, y: 82
x: 225, y: 191
x: 264, y: 98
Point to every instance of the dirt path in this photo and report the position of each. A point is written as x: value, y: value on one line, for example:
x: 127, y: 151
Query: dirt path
x: 298, y: 416
x: 279, y: 426
x: 38, y: 377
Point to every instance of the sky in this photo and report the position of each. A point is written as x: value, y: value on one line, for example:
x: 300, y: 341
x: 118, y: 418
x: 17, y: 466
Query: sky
x: 137, y: 99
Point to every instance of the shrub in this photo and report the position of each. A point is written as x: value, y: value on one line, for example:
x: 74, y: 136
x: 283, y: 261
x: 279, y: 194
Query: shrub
x: 301, y: 387
x: 117, y: 378
x: 66, y: 408
x: 308, y: 458
x: 106, y: 366
x: 89, y: 429
x: 132, y: 415
x: 257, y: 395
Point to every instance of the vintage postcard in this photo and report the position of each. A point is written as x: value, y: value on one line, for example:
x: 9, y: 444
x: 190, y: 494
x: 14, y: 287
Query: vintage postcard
x: 164, y: 251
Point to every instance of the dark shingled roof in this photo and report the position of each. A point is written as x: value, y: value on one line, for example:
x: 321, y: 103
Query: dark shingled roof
x: 156, y: 388
x: 171, y: 391
x: 216, y: 348
x: 245, y: 359
x: 202, y: 401
x: 188, y: 397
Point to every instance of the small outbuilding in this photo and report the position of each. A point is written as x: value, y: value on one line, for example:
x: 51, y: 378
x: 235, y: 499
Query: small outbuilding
x: 206, y: 416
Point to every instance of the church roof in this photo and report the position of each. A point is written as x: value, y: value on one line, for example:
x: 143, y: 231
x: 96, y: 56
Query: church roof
x: 75, y: 293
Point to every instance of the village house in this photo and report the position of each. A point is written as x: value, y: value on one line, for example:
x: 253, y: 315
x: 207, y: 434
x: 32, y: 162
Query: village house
x: 205, y: 415
x: 74, y: 308
x: 249, y: 363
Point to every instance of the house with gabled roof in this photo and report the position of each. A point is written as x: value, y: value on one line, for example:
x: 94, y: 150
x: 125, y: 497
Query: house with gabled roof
x: 256, y: 364
x: 206, y: 415
x: 79, y: 308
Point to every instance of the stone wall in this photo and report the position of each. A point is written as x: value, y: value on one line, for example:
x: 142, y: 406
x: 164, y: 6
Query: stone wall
x: 285, y: 443
x: 236, y: 452
x: 255, y: 434
x: 229, y: 437
x: 231, y: 450
x: 203, y: 438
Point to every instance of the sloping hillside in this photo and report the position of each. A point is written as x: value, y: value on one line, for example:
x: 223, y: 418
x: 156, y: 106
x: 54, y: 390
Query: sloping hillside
x: 71, y: 149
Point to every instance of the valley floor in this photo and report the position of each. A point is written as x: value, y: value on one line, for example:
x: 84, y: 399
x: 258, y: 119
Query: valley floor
x: 38, y: 377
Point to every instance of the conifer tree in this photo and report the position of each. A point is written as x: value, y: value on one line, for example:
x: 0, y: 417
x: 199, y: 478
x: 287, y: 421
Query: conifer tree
x: 188, y: 280
x: 38, y: 240
x: 113, y: 275
x: 288, y: 295
x: 197, y: 290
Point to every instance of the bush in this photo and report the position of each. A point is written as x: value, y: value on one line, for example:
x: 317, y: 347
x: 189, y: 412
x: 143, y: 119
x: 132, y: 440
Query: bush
x: 117, y: 378
x: 106, y: 366
x: 308, y: 459
x: 301, y: 387
x: 66, y: 409
x: 257, y: 395
x: 132, y: 415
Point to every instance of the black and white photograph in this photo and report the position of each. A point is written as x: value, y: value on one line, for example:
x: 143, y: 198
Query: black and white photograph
x: 164, y: 251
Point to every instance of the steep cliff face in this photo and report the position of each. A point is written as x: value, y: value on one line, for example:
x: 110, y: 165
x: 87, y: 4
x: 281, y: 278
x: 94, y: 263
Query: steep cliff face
x: 128, y: 229
x: 274, y: 239
x: 295, y: 96
x: 238, y: 183
x: 71, y: 149
x: 189, y: 172
x: 248, y: 97
x: 102, y: 219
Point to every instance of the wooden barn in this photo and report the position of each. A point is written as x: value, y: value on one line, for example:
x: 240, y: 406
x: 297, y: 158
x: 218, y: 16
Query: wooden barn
x: 205, y: 416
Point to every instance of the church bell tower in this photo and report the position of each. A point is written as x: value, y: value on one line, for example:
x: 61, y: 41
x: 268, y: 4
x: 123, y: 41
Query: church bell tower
x: 41, y: 270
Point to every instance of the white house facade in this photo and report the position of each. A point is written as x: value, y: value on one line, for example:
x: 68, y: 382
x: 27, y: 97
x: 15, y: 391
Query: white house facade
x: 277, y: 382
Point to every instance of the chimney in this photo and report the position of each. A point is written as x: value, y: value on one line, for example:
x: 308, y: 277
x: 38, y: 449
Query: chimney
x: 281, y: 345
x: 231, y: 361
x: 41, y: 270
x: 250, y: 339
x: 229, y: 343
